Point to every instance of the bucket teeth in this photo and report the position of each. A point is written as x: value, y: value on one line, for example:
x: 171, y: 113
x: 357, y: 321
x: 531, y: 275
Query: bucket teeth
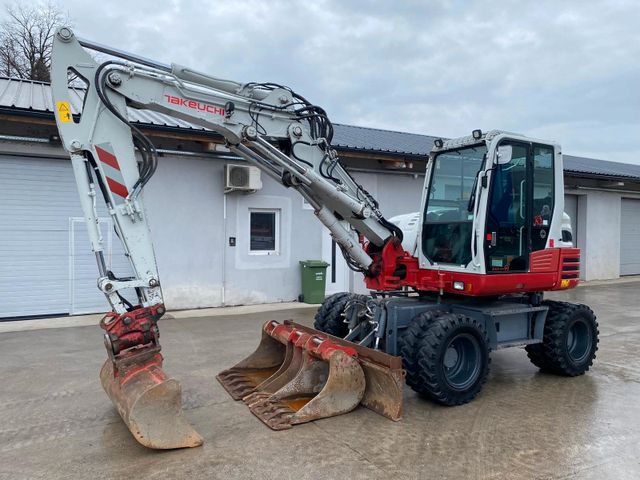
x: 275, y: 414
x: 242, y: 379
x: 297, y: 375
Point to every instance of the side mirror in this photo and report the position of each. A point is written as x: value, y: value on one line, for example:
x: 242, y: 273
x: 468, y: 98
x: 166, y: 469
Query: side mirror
x: 504, y: 155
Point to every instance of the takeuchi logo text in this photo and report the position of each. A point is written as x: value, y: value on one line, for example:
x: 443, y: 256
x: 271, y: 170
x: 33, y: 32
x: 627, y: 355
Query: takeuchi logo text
x: 203, y: 107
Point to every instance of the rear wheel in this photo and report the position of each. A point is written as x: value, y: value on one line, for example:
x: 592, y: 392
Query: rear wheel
x: 408, y: 346
x: 446, y: 357
x: 329, y: 318
x: 570, y: 340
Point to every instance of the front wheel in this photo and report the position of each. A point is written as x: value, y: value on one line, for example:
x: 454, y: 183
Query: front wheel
x: 330, y: 319
x: 449, y: 358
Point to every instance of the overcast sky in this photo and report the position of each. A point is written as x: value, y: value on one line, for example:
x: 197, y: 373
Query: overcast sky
x: 562, y: 70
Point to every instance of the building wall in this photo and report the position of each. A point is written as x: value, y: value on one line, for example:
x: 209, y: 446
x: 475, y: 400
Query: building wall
x: 269, y: 278
x: 601, y: 212
x: 598, y: 231
x: 184, y: 205
x: 199, y: 268
x: 192, y: 220
x: 397, y: 194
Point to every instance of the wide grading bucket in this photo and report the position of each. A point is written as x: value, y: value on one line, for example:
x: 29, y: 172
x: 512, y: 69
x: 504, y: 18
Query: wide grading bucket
x: 298, y: 374
x: 149, y: 402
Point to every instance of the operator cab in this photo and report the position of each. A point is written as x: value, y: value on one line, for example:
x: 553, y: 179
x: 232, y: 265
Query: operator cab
x: 499, y: 185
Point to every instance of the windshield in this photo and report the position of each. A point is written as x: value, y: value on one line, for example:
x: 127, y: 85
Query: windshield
x: 446, y: 236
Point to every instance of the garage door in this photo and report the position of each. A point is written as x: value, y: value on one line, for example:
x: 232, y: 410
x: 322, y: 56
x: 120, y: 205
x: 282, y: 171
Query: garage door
x: 630, y: 237
x: 45, y: 258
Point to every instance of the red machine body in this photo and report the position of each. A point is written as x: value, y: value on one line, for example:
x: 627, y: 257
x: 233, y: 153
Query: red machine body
x: 550, y: 269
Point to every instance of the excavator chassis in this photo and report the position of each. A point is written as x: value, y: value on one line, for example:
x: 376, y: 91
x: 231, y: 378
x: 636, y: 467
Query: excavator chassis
x: 298, y: 374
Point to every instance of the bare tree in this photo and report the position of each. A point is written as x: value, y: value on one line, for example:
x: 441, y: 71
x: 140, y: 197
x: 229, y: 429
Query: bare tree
x: 26, y: 37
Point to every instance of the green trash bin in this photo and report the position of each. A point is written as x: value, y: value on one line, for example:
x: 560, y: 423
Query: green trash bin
x: 313, y: 275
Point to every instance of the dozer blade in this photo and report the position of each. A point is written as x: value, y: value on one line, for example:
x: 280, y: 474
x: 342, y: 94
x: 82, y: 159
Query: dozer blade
x: 149, y: 402
x: 318, y: 376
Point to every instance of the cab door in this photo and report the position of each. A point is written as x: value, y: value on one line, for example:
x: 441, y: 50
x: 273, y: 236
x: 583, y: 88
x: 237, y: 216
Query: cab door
x: 507, y: 232
x: 520, y: 207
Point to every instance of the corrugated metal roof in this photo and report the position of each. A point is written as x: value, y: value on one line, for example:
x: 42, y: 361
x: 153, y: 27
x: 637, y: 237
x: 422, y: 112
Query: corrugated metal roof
x: 600, y: 167
x: 374, y: 139
x: 25, y: 94
x: 31, y: 96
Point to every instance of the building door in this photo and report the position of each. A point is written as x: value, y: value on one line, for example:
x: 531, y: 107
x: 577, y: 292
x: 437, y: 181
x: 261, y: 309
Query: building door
x: 37, y: 197
x: 337, y: 272
x: 571, y: 209
x: 46, y: 263
x: 630, y: 237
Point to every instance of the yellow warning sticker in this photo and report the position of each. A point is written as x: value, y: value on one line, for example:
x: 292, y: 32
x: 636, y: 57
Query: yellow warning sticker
x: 564, y: 284
x: 64, y: 112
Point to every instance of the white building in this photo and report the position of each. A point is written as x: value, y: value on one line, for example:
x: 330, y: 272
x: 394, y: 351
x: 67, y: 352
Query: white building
x: 227, y: 249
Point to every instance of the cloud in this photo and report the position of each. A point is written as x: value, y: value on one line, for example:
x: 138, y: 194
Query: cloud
x: 567, y: 71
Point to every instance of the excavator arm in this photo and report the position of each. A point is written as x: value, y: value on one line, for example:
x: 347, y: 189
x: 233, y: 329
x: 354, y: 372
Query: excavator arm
x: 268, y: 125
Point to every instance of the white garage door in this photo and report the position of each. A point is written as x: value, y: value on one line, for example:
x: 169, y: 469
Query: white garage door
x: 630, y: 237
x: 46, y: 264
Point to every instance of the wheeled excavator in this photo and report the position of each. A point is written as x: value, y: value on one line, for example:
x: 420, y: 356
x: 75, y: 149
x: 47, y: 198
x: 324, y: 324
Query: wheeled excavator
x: 462, y: 277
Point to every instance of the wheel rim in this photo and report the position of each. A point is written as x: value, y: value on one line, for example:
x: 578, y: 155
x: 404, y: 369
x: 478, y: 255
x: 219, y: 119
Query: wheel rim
x: 579, y: 341
x: 461, y: 361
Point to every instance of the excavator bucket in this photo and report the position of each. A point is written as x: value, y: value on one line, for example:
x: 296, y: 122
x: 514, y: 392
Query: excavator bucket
x: 383, y: 373
x: 298, y: 374
x: 244, y: 377
x: 149, y: 402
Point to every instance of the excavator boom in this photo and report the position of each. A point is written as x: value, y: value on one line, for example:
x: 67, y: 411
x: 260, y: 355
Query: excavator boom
x: 296, y: 375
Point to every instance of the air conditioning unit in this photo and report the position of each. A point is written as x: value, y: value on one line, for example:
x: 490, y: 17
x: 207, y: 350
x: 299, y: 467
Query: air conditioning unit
x: 241, y: 177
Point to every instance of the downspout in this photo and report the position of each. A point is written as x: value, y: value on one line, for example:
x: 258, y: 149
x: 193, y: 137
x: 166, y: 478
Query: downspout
x: 224, y: 248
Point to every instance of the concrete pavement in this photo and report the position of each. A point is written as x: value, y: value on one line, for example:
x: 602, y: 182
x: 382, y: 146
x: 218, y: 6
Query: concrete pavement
x: 94, y: 319
x: 56, y: 423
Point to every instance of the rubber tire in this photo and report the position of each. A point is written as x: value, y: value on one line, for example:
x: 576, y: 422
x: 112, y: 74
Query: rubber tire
x: 552, y: 355
x: 329, y: 317
x: 536, y: 351
x: 408, y: 346
x: 426, y: 351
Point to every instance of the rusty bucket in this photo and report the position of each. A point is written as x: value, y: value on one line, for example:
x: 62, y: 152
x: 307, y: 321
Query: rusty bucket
x: 298, y: 374
x: 149, y: 402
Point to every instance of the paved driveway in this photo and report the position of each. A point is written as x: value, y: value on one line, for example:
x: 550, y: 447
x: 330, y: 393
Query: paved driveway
x: 56, y: 423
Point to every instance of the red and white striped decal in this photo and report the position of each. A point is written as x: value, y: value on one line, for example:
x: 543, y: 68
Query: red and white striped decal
x: 111, y: 169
